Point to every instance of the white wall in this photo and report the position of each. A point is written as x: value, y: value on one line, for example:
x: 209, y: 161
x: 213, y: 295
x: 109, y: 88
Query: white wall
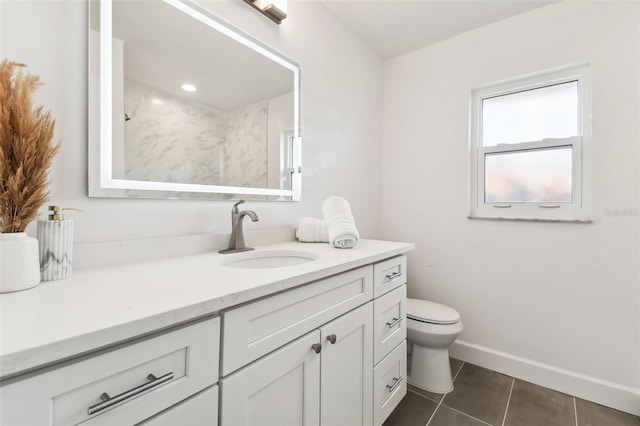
x: 556, y: 297
x: 341, y: 121
x: 562, y: 296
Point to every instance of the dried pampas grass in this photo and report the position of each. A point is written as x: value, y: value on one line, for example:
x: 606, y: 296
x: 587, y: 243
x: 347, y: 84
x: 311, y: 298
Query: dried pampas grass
x: 26, y: 151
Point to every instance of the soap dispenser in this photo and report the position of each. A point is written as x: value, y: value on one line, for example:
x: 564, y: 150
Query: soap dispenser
x: 55, y: 240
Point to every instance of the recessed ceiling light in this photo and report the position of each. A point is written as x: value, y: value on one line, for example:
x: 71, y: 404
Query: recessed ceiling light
x: 187, y: 87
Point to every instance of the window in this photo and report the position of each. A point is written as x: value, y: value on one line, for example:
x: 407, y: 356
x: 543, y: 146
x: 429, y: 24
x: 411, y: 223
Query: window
x: 529, y: 147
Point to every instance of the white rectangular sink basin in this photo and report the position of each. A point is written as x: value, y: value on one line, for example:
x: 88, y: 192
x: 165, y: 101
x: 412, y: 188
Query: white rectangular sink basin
x: 268, y: 259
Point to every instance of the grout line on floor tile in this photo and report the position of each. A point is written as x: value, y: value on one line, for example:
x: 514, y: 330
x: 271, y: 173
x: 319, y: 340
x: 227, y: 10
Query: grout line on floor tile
x: 459, y: 370
x: 434, y: 412
x: 423, y: 396
x: 416, y: 392
x: 575, y: 410
x: 452, y: 380
x: 464, y: 414
x: 506, y: 410
x: 445, y: 395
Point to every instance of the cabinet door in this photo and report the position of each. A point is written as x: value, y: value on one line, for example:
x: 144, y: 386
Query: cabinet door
x: 347, y: 365
x: 280, y: 389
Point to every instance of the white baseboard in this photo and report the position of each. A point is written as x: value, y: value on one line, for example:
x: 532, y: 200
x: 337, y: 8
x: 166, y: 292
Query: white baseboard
x: 620, y: 397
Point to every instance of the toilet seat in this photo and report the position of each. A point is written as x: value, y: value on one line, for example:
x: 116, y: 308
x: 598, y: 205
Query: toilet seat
x: 431, y: 312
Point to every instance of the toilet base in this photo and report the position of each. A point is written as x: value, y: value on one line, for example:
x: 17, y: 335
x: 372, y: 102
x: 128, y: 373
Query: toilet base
x: 430, y: 369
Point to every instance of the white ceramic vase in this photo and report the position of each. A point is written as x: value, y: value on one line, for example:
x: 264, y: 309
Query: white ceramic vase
x: 19, y: 262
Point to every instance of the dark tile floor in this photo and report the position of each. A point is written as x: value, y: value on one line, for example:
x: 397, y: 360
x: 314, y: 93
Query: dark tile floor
x: 482, y: 397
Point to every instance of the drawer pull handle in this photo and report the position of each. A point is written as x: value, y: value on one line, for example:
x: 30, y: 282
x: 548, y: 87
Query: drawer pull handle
x: 317, y: 347
x: 395, y: 321
x: 108, y: 401
x: 332, y: 338
x: 393, y: 276
x: 395, y: 384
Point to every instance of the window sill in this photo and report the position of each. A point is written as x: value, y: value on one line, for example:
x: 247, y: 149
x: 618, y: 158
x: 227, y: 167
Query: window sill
x: 525, y: 219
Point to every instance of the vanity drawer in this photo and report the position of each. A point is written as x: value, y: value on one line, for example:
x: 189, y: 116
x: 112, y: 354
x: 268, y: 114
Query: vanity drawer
x: 389, y: 274
x: 258, y: 328
x: 199, y: 410
x: 389, y: 322
x: 140, y: 379
x: 389, y: 383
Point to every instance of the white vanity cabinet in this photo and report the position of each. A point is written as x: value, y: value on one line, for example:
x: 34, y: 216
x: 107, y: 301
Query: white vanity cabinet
x: 122, y: 386
x: 257, y: 328
x: 284, y: 387
x: 321, y: 344
x: 306, y: 356
x: 390, y: 333
x: 323, y: 378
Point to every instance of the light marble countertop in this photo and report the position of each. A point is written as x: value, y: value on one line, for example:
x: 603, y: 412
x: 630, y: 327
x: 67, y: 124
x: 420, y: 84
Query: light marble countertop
x: 99, y: 307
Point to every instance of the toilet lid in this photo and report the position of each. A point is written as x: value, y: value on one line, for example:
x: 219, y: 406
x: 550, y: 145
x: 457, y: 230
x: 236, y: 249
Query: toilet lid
x: 431, y: 312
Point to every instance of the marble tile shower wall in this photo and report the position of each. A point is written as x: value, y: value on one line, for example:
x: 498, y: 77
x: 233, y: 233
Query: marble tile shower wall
x: 171, y: 139
x: 246, y: 153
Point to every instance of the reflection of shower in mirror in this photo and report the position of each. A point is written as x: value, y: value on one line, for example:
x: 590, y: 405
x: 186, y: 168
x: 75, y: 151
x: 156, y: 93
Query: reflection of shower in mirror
x: 222, y: 140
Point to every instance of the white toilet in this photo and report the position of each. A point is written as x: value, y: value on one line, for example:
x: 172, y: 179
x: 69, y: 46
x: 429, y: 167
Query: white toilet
x: 431, y: 328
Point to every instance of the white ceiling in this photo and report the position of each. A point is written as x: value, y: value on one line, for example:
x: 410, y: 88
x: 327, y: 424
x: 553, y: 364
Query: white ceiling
x: 153, y: 32
x: 394, y: 27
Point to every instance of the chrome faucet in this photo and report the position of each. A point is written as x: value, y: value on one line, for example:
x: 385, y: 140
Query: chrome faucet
x: 236, y: 242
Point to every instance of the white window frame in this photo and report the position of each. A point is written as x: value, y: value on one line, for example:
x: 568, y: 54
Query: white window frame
x: 579, y: 209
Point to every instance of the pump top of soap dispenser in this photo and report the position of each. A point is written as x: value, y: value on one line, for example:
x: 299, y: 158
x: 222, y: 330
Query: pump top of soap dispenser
x: 55, y: 212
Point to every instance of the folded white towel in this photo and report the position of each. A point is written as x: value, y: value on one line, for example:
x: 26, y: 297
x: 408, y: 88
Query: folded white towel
x: 340, y: 223
x: 312, y: 230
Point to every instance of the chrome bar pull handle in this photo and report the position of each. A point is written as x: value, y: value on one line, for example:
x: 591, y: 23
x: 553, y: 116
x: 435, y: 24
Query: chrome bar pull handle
x: 393, y: 276
x: 394, y: 322
x: 108, y: 401
x: 502, y: 206
x: 395, y: 384
x: 549, y: 206
x: 332, y: 338
x: 317, y: 347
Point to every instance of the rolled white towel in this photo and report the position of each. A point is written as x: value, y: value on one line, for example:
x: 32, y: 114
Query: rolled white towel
x: 312, y: 230
x: 340, y: 223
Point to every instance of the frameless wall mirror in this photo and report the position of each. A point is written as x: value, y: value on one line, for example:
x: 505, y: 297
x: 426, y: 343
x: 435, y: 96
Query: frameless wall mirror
x: 183, y: 105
